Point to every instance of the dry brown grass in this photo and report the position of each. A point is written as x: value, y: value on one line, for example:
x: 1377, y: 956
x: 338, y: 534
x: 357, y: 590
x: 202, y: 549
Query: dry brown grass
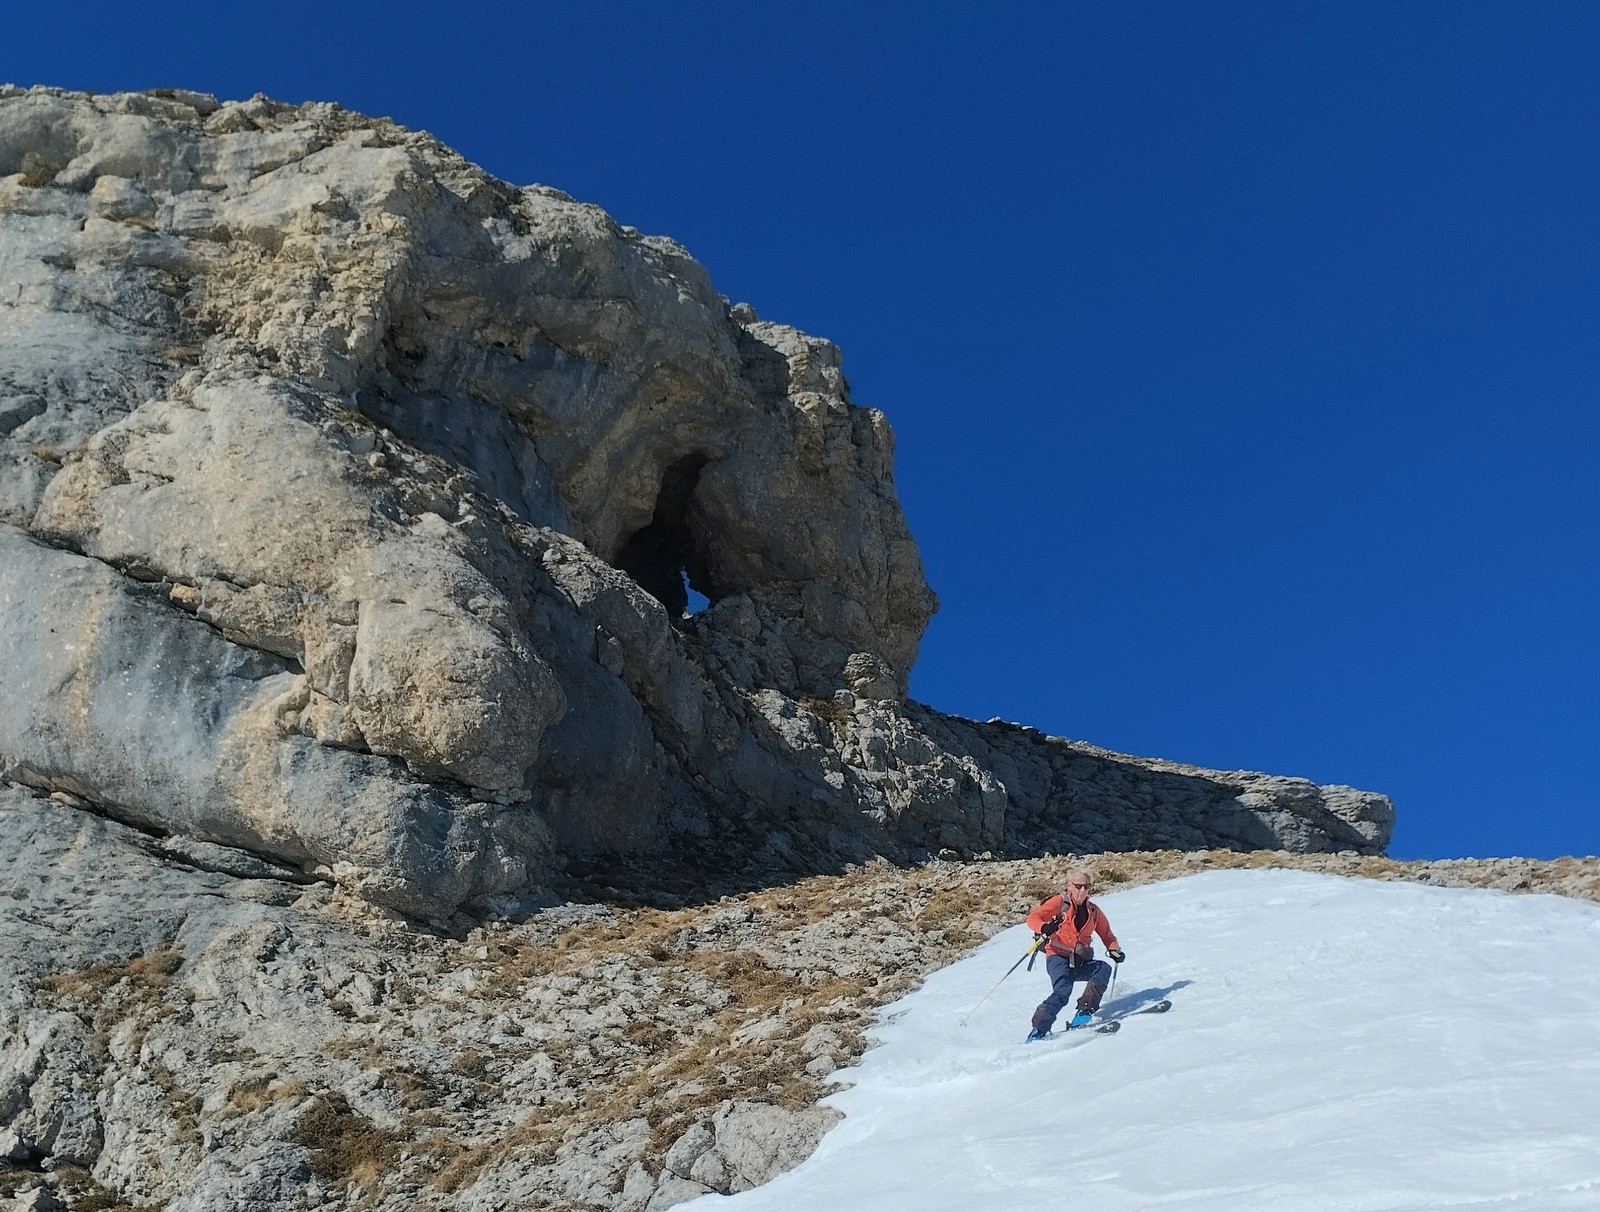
x: 182, y: 1103
x: 259, y: 1093
x: 150, y: 972
x: 345, y: 1146
x: 533, y: 1140
x: 415, y: 1087
x: 833, y: 713
x: 141, y: 988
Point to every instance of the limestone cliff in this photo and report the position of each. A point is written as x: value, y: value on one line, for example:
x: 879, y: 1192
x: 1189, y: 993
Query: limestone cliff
x: 351, y: 500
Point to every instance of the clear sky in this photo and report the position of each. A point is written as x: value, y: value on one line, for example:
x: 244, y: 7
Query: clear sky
x: 1243, y: 356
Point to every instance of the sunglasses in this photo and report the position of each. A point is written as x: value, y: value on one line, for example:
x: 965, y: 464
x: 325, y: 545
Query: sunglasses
x: 1080, y: 887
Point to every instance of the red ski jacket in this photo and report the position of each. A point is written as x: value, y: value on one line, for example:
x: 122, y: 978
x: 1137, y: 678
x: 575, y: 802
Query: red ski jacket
x: 1073, y: 938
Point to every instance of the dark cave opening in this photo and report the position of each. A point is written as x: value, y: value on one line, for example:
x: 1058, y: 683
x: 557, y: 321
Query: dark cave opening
x: 661, y: 556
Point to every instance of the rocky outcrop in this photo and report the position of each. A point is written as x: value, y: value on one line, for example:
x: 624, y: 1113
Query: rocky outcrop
x: 245, y: 1040
x: 185, y: 1027
x: 351, y: 504
x: 1068, y: 796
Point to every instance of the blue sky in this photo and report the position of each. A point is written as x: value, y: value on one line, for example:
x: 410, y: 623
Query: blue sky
x: 1242, y: 356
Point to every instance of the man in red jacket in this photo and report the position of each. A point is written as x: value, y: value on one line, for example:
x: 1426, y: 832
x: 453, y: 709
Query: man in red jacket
x: 1068, y: 925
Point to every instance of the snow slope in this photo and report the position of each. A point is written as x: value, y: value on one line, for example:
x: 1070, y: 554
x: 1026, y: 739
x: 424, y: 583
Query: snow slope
x: 1334, y: 1044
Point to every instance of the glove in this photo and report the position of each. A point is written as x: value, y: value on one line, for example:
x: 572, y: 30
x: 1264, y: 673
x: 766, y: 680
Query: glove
x: 1051, y: 926
x: 1117, y: 954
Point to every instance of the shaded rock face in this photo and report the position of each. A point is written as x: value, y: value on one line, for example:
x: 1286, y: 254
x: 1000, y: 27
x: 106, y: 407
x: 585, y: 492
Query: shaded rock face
x: 350, y: 501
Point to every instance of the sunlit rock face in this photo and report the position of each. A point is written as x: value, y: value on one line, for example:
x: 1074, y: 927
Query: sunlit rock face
x: 351, y: 501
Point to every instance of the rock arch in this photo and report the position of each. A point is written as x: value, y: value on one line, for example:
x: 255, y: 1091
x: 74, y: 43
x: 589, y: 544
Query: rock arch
x: 666, y: 557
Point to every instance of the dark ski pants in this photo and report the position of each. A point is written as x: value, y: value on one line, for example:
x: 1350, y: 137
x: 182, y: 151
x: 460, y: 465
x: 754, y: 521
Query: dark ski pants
x: 1062, y: 977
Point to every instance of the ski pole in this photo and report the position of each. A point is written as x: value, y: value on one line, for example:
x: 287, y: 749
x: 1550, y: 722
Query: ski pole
x: 1037, y: 943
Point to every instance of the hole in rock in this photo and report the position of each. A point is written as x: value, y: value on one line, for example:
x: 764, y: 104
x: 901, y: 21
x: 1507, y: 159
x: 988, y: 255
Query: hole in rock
x: 662, y: 556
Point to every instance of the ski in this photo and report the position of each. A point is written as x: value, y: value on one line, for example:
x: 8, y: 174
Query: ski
x: 1110, y: 1026
x: 1115, y: 1020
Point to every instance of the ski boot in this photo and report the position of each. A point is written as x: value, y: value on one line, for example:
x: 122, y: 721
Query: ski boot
x: 1088, y: 1004
x: 1042, y: 1020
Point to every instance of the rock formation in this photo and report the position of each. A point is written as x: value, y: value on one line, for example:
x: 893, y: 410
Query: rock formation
x: 350, y: 504
x: 243, y: 1042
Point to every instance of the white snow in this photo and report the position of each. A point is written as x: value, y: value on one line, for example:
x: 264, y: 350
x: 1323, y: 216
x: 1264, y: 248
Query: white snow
x: 1336, y: 1045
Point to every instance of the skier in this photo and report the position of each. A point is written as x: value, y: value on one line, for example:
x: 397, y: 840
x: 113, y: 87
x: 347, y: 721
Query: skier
x: 1067, y: 924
